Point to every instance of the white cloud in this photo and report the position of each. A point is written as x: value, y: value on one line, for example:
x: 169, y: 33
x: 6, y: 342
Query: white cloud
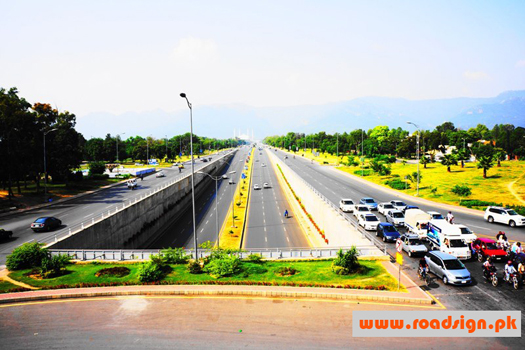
x: 195, y: 49
x: 475, y: 75
x: 520, y: 64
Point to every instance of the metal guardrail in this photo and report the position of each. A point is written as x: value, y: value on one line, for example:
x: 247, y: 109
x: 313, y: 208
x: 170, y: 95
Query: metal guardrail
x: 363, y: 232
x: 273, y: 253
x: 112, y: 210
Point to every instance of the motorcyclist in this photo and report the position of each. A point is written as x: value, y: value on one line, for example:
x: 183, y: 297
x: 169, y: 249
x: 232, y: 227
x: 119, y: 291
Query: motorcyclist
x: 488, y: 267
x: 502, y: 241
x: 509, y: 269
x: 521, y: 270
x: 515, y: 249
x: 450, y: 217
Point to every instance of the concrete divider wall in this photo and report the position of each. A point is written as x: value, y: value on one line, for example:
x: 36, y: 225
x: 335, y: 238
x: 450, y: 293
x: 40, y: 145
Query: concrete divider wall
x: 338, y: 231
x: 141, y: 222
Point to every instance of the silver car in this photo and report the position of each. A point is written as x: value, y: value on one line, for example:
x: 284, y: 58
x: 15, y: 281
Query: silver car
x: 395, y: 217
x: 383, y: 208
x: 413, y: 245
x: 448, y: 268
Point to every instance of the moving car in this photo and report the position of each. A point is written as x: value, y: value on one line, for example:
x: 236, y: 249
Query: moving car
x: 382, y: 208
x: 231, y: 182
x: 160, y: 174
x: 411, y: 244
x: 399, y: 205
x: 263, y: 165
x: 387, y: 232
x: 505, y: 216
x: 5, y: 234
x: 369, y: 202
x: 395, y: 217
x: 346, y: 205
x: 482, y: 248
x: 132, y: 184
x: 368, y: 221
x: 434, y: 215
x: 266, y: 185
x: 224, y: 176
x: 448, y: 268
x: 360, y: 209
x: 256, y: 187
x: 409, y: 207
x: 46, y: 223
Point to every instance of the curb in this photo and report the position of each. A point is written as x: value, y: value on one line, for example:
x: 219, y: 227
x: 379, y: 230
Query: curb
x: 258, y: 292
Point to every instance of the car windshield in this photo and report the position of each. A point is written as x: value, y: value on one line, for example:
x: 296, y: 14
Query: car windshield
x: 389, y: 229
x: 362, y: 209
x: 40, y: 220
x: 437, y: 217
x: 400, y: 204
x: 371, y: 218
x: 492, y: 246
x: 348, y: 202
x: 454, y: 264
x: 415, y: 241
x: 398, y: 215
x: 388, y: 206
x: 465, y: 231
x: 457, y: 243
x: 512, y: 212
x: 369, y: 200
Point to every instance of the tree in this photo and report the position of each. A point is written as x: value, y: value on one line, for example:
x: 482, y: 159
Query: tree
x: 485, y: 163
x: 424, y: 160
x: 499, y: 155
x: 449, y: 160
x: 461, y: 155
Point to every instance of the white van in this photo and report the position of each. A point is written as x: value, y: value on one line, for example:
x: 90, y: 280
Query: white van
x: 416, y: 221
x: 449, y: 238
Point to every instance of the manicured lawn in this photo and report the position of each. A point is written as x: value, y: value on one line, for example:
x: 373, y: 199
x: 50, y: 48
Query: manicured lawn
x: 6, y: 287
x: 309, y: 273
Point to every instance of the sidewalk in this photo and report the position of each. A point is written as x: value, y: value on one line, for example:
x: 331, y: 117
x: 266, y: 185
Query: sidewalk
x: 413, y: 296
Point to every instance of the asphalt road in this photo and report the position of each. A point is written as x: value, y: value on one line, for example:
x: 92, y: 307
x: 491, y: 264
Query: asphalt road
x: 267, y: 227
x: 73, y: 212
x: 206, y: 323
x: 180, y: 232
x: 335, y: 185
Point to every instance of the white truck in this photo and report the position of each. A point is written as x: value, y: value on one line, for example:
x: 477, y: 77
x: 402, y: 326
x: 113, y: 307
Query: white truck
x: 416, y: 221
x: 449, y: 238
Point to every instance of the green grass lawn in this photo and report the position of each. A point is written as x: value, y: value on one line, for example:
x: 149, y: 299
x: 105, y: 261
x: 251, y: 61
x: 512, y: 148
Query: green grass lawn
x: 6, y: 287
x: 309, y: 273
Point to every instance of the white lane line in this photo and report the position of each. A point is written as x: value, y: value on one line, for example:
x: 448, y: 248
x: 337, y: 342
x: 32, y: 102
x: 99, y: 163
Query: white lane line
x: 287, y: 239
x: 481, y: 290
x: 88, y: 215
x: 202, y: 229
x: 266, y: 239
x: 264, y: 229
x: 282, y: 221
x: 284, y: 228
x: 207, y: 222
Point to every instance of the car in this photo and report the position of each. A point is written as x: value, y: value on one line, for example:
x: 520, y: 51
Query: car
x: 369, y: 202
x: 257, y: 160
x: 160, y: 174
x: 224, y: 176
x: 368, y: 221
x: 504, y: 215
x: 387, y: 232
x: 399, y: 205
x: 448, y: 268
x: 204, y: 160
x: 263, y: 165
x: 395, y: 217
x: 266, y: 185
x: 412, y: 244
x: 384, y: 207
x: 231, y: 182
x: 360, y: 209
x: 482, y: 248
x: 256, y: 187
x: 346, y: 205
x: 47, y: 223
x: 434, y: 215
x: 409, y: 207
x: 4, y: 234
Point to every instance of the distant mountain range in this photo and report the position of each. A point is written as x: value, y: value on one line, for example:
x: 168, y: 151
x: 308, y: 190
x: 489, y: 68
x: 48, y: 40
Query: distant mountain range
x: 365, y: 112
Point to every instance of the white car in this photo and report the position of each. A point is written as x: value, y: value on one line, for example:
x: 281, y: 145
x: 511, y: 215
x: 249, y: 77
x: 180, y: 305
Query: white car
x: 368, y: 221
x: 224, y: 176
x: 346, y: 205
x: 231, y: 182
x: 413, y: 245
x: 504, y: 215
x: 384, y: 207
x: 266, y: 185
x: 360, y: 209
x: 434, y: 215
x: 160, y: 174
x: 263, y: 165
x: 395, y: 217
x: 399, y: 205
x: 256, y: 187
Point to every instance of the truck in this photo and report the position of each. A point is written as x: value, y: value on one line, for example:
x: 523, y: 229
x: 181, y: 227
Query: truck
x: 416, y: 222
x: 450, y: 238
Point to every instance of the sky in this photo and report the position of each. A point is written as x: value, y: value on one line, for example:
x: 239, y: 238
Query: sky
x: 135, y: 56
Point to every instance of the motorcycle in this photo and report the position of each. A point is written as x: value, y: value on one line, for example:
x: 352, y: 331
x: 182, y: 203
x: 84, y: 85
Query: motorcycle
x: 491, y: 276
x: 513, y: 280
x: 424, y: 276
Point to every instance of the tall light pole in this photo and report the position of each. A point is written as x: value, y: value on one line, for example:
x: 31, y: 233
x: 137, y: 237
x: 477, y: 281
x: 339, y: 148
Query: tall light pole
x: 166, y: 146
x: 417, y: 153
x: 233, y: 200
x: 118, y: 136
x: 337, y: 152
x: 183, y: 95
x: 45, y: 164
x: 216, y: 179
x: 362, y: 152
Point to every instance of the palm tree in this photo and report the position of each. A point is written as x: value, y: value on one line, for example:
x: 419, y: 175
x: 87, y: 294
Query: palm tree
x: 461, y: 155
x: 485, y: 163
x: 500, y: 154
x: 449, y: 160
x: 424, y: 160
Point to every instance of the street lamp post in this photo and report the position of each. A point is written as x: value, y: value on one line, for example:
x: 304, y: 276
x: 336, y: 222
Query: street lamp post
x: 337, y: 152
x: 362, y: 152
x: 183, y: 95
x: 233, y: 200
x: 216, y: 179
x: 118, y: 137
x: 417, y: 153
x: 45, y: 164
x: 166, y: 147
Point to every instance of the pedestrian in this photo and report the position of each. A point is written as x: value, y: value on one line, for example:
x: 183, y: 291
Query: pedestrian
x: 286, y: 213
x: 450, y: 217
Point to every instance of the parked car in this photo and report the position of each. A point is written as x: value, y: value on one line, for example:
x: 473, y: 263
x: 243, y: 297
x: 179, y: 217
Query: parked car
x: 399, y: 205
x: 160, y: 174
x: 434, y: 215
x: 231, y: 182
x: 347, y: 205
x: 411, y: 244
x: 5, y: 234
x: 395, y: 217
x: 409, y: 207
x: 448, y: 268
x: 267, y: 185
x: 486, y: 247
x: 382, y: 208
x: 360, y: 209
x: 256, y: 187
x: 369, y: 202
x: 504, y: 215
x: 387, y: 232
x: 47, y: 223
x: 368, y: 221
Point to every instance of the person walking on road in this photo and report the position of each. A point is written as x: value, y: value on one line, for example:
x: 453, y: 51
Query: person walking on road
x: 286, y: 214
x: 450, y: 217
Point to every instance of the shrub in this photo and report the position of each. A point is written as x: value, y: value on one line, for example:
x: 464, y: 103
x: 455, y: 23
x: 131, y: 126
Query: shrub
x: 286, y: 271
x: 255, y: 258
x: 26, y: 256
x: 194, y: 267
x: 150, y: 272
x: 385, y: 170
x: 346, y: 263
x: 365, y: 172
x: 97, y: 168
x: 397, y: 184
x: 52, y: 266
x: 175, y: 256
x: 462, y: 190
x: 225, y: 266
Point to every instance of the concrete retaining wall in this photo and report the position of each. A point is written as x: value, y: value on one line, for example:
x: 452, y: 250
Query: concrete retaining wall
x: 141, y: 222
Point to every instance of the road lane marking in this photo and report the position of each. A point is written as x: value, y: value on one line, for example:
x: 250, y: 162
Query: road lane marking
x: 88, y: 215
x: 481, y: 290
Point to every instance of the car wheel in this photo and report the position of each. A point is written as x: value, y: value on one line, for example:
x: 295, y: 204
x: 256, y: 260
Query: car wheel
x: 409, y: 254
x: 384, y: 239
x: 512, y: 223
x: 480, y: 257
x: 490, y: 219
x: 445, y: 280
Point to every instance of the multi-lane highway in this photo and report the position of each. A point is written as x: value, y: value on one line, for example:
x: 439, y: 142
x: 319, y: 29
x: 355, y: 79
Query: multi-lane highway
x: 334, y: 185
x: 267, y: 227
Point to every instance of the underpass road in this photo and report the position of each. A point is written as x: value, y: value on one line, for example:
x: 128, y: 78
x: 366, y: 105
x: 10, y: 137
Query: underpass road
x: 479, y: 296
x: 267, y: 227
